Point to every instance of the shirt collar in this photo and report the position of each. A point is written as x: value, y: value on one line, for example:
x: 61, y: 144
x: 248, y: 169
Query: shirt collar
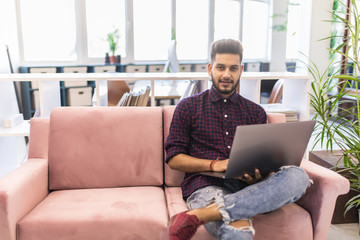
x: 215, y: 96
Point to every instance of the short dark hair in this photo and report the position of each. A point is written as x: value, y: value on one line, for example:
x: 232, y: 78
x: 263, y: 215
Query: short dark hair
x: 226, y: 46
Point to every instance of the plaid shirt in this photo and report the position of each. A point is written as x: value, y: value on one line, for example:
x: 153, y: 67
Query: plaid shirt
x: 203, y: 126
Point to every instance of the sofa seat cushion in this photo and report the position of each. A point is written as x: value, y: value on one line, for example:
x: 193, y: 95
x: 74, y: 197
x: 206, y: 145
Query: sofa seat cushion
x: 288, y: 222
x: 176, y: 204
x: 282, y: 224
x: 114, y: 213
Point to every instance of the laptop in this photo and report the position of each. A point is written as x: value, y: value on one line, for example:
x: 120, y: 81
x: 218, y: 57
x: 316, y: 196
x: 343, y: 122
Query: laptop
x: 266, y: 147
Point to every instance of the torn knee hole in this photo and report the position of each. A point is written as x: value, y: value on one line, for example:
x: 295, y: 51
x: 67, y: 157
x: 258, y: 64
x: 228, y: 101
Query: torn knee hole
x: 243, y: 225
x: 240, y: 223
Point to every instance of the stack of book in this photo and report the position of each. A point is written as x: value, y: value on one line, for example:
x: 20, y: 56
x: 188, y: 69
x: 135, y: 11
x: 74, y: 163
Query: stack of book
x: 131, y: 98
x: 291, y: 114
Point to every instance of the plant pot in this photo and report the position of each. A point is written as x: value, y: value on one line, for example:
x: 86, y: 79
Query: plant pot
x: 113, y: 60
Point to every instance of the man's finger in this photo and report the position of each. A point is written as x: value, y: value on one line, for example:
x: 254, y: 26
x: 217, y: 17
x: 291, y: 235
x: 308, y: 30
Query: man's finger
x: 248, y: 177
x: 257, y: 174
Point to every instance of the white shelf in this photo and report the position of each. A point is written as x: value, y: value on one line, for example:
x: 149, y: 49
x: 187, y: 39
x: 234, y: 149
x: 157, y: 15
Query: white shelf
x: 22, y: 129
x: 295, y: 90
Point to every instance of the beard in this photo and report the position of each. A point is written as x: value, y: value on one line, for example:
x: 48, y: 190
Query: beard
x: 224, y: 91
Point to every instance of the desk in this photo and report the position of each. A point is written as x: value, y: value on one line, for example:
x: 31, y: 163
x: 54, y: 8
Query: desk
x: 329, y: 160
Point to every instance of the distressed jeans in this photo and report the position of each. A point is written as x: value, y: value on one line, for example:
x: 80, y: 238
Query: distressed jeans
x: 285, y: 186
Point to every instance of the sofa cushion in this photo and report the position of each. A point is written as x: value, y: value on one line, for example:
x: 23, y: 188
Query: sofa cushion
x: 105, y: 147
x: 288, y: 222
x: 176, y: 204
x: 173, y: 178
x: 114, y: 213
x: 39, y: 138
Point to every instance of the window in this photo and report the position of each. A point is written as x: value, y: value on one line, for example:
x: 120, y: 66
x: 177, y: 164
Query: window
x: 255, y: 29
x: 192, y: 36
x: 8, y: 34
x: 227, y: 19
x: 103, y: 17
x: 48, y: 30
x: 75, y: 31
x: 152, y: 29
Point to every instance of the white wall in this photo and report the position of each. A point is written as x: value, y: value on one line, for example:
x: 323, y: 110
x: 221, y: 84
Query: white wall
x: 12, y: 149
x: 314, y: 28
x: 278, y: 39
x: 320, y: 29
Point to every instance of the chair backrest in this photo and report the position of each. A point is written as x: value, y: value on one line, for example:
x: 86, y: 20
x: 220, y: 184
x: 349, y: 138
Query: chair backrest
x: 276, y: 92
x: 96, y: 147
x: 116, y: 89
x: 191, y: 89
x: 173, y: 178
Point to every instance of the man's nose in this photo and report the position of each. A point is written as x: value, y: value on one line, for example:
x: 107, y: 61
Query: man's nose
x: 227, y: 74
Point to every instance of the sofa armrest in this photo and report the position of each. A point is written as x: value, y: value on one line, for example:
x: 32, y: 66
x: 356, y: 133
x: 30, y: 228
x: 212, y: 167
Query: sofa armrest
x: 319, y: 199
x: 20, y: 191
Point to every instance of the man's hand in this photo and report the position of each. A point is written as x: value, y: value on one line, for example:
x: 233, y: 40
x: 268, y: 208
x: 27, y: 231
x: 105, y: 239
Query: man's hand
x: 221, y: 165
x: 251, y: 180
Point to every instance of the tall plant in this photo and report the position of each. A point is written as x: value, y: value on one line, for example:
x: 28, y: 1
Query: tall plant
x: 337, y: 125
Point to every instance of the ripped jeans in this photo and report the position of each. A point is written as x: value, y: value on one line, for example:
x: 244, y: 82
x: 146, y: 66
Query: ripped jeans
x: 285, y: 186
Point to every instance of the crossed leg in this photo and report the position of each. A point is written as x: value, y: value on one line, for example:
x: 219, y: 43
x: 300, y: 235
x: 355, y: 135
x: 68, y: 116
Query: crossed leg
x: 228, y: 215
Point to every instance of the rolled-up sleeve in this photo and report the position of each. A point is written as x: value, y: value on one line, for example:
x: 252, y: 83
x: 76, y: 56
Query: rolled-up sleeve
x: 179, y: 135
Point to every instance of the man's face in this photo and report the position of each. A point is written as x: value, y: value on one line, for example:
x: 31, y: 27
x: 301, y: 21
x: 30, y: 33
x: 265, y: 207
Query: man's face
x: 225, y: 73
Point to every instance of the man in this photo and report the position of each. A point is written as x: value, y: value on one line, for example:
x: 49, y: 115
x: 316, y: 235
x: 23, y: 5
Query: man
x: 200, y: 139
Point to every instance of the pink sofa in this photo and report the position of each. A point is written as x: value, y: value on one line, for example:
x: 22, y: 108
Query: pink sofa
x: 99, y: 173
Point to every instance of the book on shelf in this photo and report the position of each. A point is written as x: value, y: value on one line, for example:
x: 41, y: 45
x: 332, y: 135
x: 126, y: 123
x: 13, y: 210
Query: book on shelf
x: 141, y: 98
x: 131, y: 98
x: 291, y: 114
x: 134, y: 98
x: 146, y: 97
x: 123, y: 100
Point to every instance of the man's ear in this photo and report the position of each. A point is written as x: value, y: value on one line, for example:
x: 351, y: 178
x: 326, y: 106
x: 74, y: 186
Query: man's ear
x: 209, y: 69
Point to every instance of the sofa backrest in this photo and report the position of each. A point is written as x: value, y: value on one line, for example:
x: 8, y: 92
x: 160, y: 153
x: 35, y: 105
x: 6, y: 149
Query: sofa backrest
x: 100, y: 147
x: 173, y: 178
x: 39, y: 138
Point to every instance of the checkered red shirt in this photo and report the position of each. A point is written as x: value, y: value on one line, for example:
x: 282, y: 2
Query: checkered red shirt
x: 203, y: 126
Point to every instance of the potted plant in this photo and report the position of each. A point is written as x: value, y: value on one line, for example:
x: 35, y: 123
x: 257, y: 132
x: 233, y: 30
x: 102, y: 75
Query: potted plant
x: 336, y: 124
x: 113, y: 40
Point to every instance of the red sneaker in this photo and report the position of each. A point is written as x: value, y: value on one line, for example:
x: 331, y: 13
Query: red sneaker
x: 183, y: 226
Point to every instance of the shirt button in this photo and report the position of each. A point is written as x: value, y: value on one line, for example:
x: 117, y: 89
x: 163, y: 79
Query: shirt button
x: 225, y: 100
x: 225, y: 115
x: 227, y: 133
x: 229, y: 147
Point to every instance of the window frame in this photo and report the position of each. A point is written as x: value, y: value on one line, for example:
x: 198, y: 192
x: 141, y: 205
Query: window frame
x: 81, y: 34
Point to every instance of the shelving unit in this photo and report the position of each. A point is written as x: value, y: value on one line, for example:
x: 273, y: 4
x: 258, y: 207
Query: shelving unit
x: 28, y: 90
x: 21, y: 130
x: 295, y: 91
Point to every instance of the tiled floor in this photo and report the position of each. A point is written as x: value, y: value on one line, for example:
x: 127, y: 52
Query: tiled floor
x: 349, y: 231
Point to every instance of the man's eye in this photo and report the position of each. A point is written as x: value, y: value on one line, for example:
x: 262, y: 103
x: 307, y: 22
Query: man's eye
x: 234, y: 69
x: 220, y: 68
